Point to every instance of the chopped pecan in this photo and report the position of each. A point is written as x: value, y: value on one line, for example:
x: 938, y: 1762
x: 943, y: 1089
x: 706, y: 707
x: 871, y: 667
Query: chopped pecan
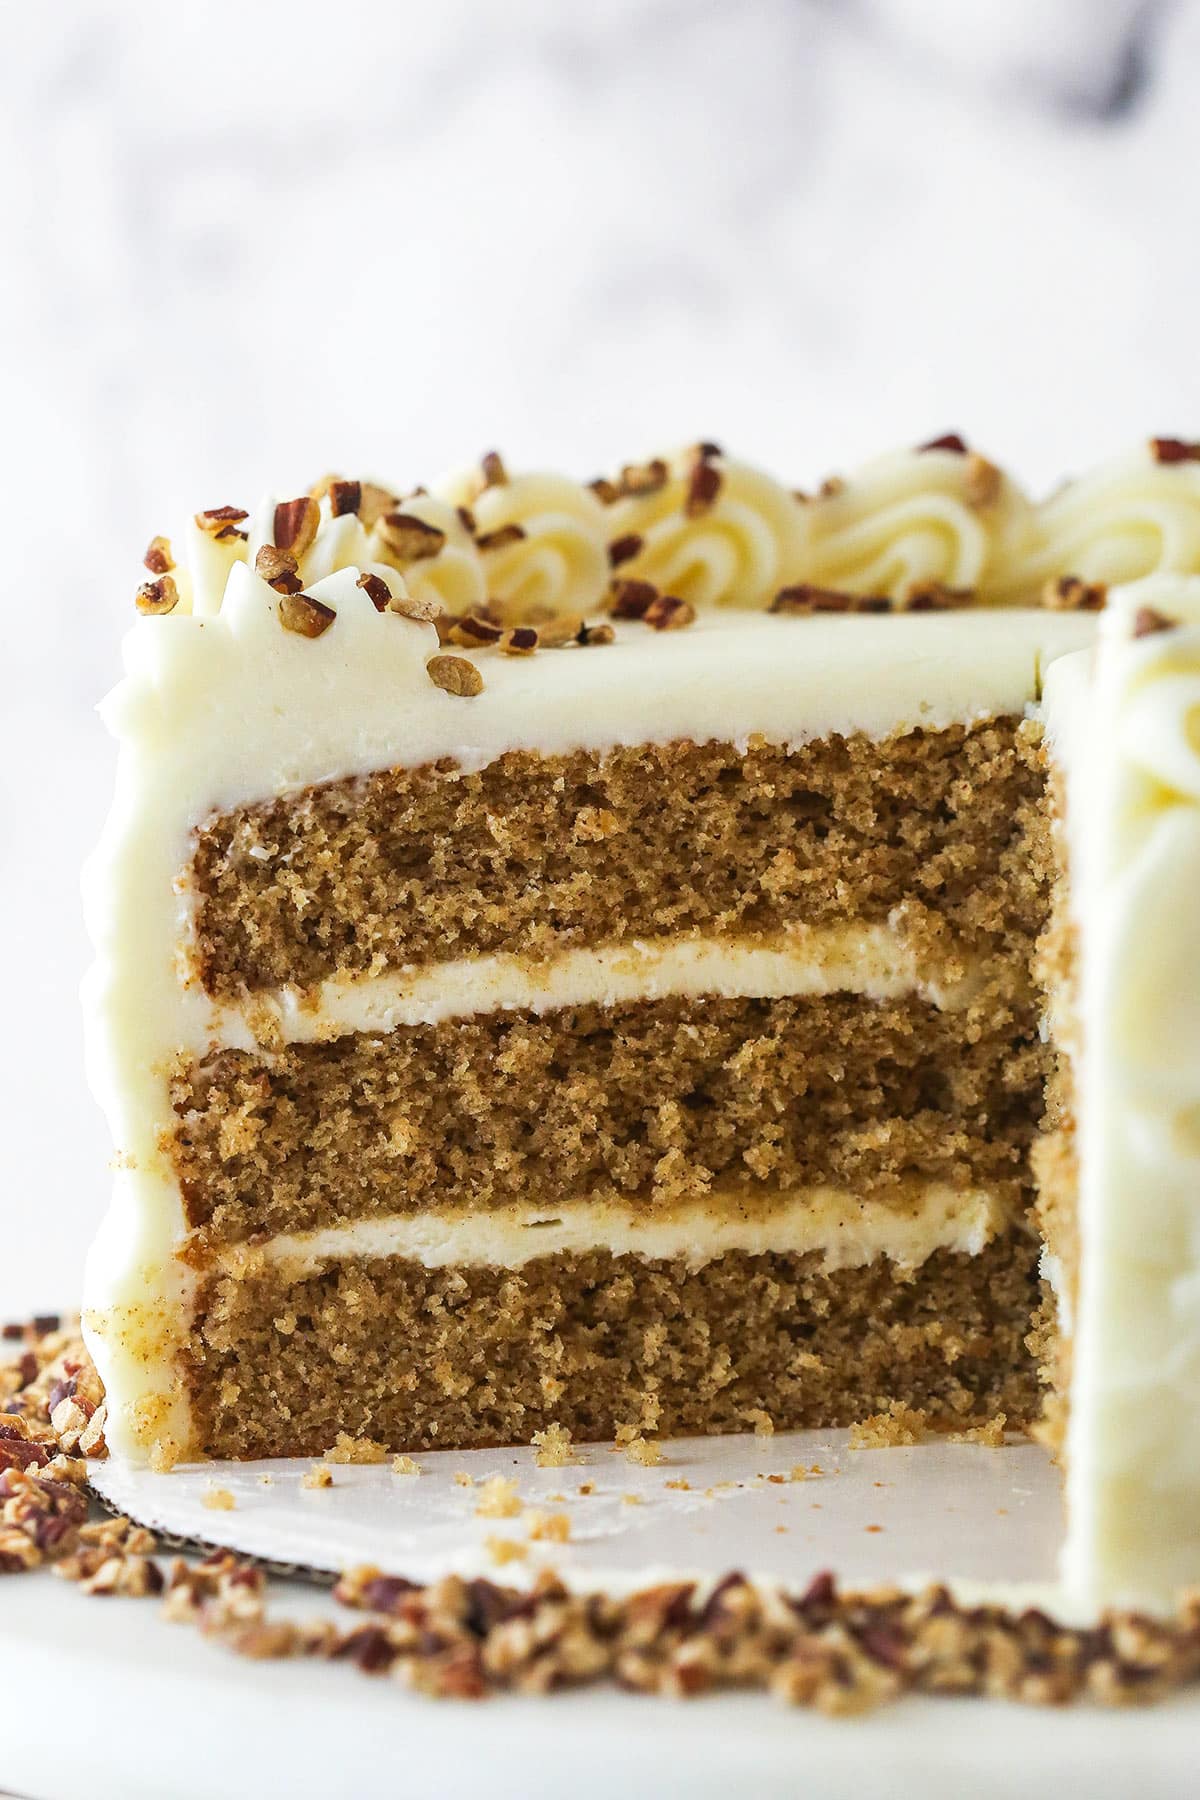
x: 221, y: 521
x: 344, y: 497
x: 643, y: 478
x: 596, y: 634
x: 805, y: 597
x: 409, y: 538
x: 704, y: 484
x: 519, y: 640
x: 295, y: 524
x: 933, y: 596
x: 155, y: 597
x: 629, y: 599
x: 158, y: 558
x: 668, y: 613
x: 607, y: 492
x: 950, y: 440
x: 278, y: 569
x: 376, y: 589
x: 624, y: 549
x: 455, y: 675
x: 492, y: 469
x: 1174, y: 450
x: 562, y: 628
x: 1069, y: 594
x: 473, y: 632
x: 501, y: 538
x: 1147, y: 620
x: 305, y: 614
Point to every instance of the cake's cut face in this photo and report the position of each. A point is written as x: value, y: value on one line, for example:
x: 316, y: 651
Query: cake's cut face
x: 608, y: 956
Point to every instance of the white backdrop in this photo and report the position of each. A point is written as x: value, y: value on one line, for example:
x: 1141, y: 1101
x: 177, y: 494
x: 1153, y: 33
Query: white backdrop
x: 244, y: 243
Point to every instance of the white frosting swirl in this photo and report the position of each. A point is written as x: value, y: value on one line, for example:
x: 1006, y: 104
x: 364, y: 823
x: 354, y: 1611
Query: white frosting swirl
x: 455, y: 576
x: 559, y: 563
x: 738, y: 552
x: 914, y: 516
x: 1130, y: 518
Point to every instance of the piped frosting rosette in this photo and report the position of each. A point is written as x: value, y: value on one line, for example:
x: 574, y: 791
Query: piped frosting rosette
x: 912, y: 517
x: 734, y: 537
x: 541, y: 541
x: 1132, y: 517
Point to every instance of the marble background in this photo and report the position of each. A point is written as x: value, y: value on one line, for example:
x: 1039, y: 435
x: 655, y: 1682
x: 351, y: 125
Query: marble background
x: 246, y: 243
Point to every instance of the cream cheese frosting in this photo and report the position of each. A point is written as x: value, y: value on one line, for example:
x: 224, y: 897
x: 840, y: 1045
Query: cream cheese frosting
x: 845, y: 1230
x: 1132, y: 750
x: 544, y: 542
x: 877, y: 961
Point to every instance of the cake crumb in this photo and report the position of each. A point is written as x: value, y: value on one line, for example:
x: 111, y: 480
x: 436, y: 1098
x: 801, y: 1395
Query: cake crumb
x: 164, y: 1454
x: 763, y: 1423
x: 462, y: 1479
x: 404, y: 1465
x: 498, y: 1499
x: 900, y: 1425
x: 347, y: 1449
x: 505, y: 1550
x: 641, y: 1450
x: 552, y: 1447
x: 218, y: 1499
x: 632, y: 1500
x: 990, y: 1433
x: 683, y: 1487
x: 553, y: 1528
x: 319, y: 1476
x: 587, y: 1487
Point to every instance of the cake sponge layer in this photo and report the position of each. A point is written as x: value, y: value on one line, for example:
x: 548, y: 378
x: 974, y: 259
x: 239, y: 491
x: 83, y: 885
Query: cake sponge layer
x: 533, y: 853
x: 419, y: 1359
x: 656, y: 1102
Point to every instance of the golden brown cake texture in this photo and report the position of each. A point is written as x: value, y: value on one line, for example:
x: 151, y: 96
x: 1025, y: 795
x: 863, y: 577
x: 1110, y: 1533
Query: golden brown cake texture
x: 407, y: 1355
x: 533, y: 854
x: 656, y: 1104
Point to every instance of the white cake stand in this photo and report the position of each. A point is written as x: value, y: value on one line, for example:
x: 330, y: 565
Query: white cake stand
x: 103, y: 1698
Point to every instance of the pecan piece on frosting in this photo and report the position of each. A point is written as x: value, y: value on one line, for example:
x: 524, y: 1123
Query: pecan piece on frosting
x: 501, y: 538
x: 344, y: 497
x: 806, y: 597
x: 278, y: 569
x: 629, y: 599
x: 949, y: 440
x: 704, y: 484
x: 410, y: 538
x: 1068, y: 593
x: 596, y: 634
x: 473, y: 632
x: 158, y: 558
x: 930, y: 596
x: 519, y: 640
x: 295, y: 524
x: 491, y: 467
x: 455, y: 675
x: 667, y: 612
x: 1174, y: 450
x: 624, y: 549
x: 156, y: 597
x: 374, y: 501
x: 222, y: 522
x: 643, y: 478
x: 1147, y: 620
x: 305, y: 614
x: 607, y: 492
x: 376, y: 589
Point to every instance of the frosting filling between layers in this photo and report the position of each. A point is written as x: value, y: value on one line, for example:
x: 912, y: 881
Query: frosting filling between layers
x: 845, y: 1229
x: 873, y: 960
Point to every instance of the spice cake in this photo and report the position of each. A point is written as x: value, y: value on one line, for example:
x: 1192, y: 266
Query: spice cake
x: 630, y: 954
